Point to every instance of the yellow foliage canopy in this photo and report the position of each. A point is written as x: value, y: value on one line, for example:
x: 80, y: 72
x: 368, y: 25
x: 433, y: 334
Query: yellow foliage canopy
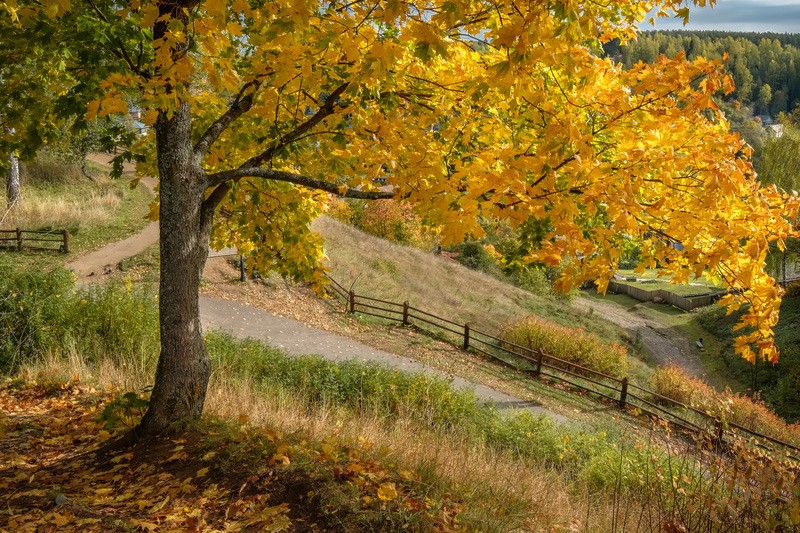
x: 465, y: 108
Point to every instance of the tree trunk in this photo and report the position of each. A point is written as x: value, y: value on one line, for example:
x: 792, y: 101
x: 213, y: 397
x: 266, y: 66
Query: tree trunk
x: 13, y: 189
x: 183, y: 366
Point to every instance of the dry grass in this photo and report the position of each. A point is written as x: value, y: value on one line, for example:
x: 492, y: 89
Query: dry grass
x: 539, y: 497
x: 499, y: 492
x: 496, y: 491
x: 381, y: 269
x: 673, y: 382
x: 41, y: 210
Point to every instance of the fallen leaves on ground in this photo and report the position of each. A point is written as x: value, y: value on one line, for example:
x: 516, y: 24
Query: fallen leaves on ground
x: 62, y: 470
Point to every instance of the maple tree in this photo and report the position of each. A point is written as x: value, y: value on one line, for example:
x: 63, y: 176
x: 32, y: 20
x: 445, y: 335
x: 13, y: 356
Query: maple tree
x: 261, y: 108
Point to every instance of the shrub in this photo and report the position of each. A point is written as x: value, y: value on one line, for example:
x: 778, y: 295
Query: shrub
x: 570, y: 344
x: 392, y: 220
x: 673, y: 382
x: 341, y: 210
x: 474, y: 255
x: 534, y: 280
x: 116, y: 321
x: 41, y: 313
x: 33, y: 309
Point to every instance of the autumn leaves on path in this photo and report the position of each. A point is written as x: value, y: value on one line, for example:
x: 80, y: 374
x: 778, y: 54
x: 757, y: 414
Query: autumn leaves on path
x: 56, y: 475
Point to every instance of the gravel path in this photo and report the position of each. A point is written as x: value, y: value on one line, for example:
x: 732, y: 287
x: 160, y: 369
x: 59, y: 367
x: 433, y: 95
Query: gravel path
x: 664, y: 344
x: 296, y: 338
x: 105, y: 259
x: 242, y: 320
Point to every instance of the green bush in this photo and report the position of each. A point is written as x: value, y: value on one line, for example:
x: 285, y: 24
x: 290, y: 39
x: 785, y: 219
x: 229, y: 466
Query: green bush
x: 570, y: 344
x: 472, y: 254
x: 41, y: 313
x: 34, y: 306
x: 116, y: 320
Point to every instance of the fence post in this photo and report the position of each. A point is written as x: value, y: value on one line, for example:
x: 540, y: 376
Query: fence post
x: 242, y: 273
x: 623, y: 396
x: 719, y: 432
x: 351, y: 302
x: 405, y: 313
x: 539, y: 358
x: 65, y: 247
x: 466, y: 337
x: 19, y: 239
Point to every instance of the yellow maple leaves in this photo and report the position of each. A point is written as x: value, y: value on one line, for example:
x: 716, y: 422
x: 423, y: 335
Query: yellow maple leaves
x: 467, y: 109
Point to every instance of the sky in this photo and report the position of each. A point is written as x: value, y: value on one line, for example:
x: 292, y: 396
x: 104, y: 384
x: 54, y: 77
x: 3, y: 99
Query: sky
x: 779, y: 16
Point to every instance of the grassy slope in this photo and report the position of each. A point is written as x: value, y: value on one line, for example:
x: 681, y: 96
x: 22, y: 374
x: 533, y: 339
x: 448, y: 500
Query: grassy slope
x: 96, y: 212
x: 769, y: 379
x: 381, y: 269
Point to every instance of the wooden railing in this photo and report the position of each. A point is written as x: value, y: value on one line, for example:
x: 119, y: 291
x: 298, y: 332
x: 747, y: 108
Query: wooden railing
x: 21, y: 239
x: 542, y: 366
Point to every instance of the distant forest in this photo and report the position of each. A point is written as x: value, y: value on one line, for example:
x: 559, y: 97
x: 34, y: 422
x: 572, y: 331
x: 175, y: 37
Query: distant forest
x: 764, y: 66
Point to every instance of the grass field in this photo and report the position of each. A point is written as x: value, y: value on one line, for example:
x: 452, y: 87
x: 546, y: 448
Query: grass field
x: 650, y: 281
x: 59, y: 196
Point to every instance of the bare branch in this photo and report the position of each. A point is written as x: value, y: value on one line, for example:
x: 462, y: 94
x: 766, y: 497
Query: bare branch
x: 297, y: 179
x: 324, y: 111
x: 238, y: 107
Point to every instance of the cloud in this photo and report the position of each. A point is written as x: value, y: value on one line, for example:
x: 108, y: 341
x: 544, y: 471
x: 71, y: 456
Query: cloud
x: 780, y: 16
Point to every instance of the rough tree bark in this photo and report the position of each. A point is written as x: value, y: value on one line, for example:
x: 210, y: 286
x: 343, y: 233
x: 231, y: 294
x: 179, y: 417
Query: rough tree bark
x: 13, y: 189
x: 183, y: 366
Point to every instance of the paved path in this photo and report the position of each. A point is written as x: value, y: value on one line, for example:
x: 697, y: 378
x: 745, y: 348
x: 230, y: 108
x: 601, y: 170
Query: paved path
x: 296, y: 338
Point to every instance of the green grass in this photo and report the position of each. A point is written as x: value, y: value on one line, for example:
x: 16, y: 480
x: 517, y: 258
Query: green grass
x: 779, y: 383
x: 143, y: 267
x: 701, y: 285
x: 688, y: 325
x: 58, y: 196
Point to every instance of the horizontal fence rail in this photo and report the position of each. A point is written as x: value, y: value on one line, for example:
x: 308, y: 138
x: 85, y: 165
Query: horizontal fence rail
x: 540, y: 365
x: 21, y: 239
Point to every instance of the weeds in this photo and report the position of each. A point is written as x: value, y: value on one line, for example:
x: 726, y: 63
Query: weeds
x: 42, y: 315
x: 673, y: 382
x: 569, y: 344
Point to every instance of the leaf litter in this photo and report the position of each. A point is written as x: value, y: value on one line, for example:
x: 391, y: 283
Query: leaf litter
x: 63, y: 469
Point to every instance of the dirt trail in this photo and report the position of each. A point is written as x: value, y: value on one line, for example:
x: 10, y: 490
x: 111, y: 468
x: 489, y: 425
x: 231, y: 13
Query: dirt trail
x: 243, y: 320
x: 662, y: 342
x: 104, y: 260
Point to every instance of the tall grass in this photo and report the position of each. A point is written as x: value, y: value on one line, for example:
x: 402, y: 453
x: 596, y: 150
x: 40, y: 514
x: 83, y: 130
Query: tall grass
x: 56, y: 194
x: 439, y: 285
x: 675, y: 383
x: 513, y: 471
x: 42, y: 314
x: 569, y: 344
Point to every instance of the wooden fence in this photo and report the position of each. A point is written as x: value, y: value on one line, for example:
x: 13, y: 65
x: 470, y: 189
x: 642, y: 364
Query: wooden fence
x: 19, y: 239
x: 542, y: 366
x: 687, y: 303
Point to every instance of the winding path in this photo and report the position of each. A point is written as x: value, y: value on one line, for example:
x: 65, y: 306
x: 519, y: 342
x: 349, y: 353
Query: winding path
x: 662, y: 342
x: 292, y: 336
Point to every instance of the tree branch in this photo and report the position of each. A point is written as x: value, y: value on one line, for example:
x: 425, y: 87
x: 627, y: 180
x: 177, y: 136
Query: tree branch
x: 324, y: 111
x: 210, y: 204
x: 221, y: 178
x: 240, y: 106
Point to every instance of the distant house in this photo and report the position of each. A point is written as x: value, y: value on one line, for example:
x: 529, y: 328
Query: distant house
x: 765, y: 120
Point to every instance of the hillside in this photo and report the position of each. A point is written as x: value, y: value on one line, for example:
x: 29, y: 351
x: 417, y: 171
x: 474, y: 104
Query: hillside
x: 381, y: 269
x: 304, y: 444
